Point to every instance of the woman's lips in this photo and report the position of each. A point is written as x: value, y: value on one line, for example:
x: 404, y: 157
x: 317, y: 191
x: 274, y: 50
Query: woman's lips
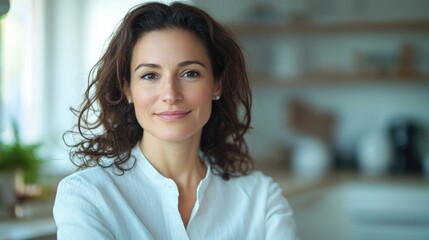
x: 172, y: 115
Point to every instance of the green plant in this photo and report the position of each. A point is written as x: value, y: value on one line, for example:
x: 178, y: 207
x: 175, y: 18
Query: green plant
x: 18, y: 156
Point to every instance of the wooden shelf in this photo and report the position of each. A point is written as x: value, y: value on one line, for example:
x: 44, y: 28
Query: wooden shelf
x: 309, y: 28
x: 331, y: 78
x: 307, y: 81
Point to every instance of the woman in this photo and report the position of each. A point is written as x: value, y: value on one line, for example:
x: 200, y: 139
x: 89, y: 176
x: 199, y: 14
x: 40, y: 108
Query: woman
x: 165, y: 157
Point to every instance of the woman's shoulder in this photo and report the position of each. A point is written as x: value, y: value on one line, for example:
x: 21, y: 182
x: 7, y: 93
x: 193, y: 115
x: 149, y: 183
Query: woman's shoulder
x: 255, y: 177
x: 256, y: 180
x: 92, y: 176
x: 100, y: 173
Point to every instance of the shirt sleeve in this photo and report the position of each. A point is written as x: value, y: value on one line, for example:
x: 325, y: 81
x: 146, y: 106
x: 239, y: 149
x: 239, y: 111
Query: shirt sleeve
x: 77, y: 213
x: 279, y: 216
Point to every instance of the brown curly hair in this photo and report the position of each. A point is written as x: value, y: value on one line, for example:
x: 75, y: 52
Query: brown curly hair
x: 107, y: 126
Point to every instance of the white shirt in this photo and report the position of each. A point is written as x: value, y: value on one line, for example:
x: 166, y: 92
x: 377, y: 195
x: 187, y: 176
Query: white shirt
x: 143, y: 204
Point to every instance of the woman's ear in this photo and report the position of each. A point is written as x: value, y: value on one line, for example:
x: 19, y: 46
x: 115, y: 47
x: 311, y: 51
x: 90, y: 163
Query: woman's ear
x: 217, y: 89
x: 127, y: 91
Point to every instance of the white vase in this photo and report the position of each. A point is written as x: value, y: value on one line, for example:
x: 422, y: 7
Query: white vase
x: 374, y: 154
x: 311, y: 158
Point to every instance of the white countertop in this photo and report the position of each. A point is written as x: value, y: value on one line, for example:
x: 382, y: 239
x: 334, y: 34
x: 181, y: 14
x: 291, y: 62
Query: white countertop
x: 25, y: 229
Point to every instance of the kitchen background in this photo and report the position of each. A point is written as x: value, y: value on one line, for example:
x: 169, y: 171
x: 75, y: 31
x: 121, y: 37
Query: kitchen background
x: 340, y: 88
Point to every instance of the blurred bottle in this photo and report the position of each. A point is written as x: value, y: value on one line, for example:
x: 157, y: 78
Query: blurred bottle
x: 425, y: 166
x: 404, y: 138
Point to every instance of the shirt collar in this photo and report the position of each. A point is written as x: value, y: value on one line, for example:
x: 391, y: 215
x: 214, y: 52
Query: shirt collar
x: 145, y: 166
x: 148, y: 169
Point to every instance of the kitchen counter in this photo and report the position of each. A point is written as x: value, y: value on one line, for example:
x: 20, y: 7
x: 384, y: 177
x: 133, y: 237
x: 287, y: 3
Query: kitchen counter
x: 347, y: 205
x: 293, y: 185
x: 43, y: 227
x: 35, y: 221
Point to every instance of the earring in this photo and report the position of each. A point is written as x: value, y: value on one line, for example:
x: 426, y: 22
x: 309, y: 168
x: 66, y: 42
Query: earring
x: 130, y: 101
x: 216, y: 98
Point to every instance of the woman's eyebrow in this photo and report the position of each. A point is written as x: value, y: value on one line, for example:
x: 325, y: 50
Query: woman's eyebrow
x: 150, y: 65
x: 181, y: 64
x: 186, y: 63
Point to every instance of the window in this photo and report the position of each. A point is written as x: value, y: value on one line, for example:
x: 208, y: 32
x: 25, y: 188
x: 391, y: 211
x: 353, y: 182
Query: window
x: 47, y: 48
x: 21, y: 70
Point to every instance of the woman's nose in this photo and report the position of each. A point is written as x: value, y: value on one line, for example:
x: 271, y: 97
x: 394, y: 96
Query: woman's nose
x: 171, y: 91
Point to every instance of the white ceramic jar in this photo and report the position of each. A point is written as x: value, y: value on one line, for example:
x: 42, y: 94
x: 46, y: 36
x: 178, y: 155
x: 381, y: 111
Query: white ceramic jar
x: 374, y: 153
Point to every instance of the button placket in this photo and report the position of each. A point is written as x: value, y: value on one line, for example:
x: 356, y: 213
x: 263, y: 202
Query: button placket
x: 172, y: 203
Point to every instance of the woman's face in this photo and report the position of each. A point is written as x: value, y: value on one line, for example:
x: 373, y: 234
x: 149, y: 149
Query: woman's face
x: 172, y: 85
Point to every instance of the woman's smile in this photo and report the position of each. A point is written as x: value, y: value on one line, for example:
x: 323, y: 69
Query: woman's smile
x: 173, y: 115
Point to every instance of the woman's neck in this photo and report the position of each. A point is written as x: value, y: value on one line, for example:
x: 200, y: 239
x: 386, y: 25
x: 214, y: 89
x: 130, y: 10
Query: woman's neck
x: 179, y: 161
x: 176, y: 160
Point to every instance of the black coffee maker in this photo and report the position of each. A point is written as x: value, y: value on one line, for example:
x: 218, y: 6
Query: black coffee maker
x: 404, y: 137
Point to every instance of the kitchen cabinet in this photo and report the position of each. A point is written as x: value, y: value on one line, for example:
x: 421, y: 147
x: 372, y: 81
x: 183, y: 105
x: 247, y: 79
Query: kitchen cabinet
x: 302, y: 54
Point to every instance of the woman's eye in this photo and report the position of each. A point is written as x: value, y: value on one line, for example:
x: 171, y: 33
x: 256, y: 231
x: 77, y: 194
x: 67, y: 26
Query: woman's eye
x: 191, y: 74
x: 149, y: 76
